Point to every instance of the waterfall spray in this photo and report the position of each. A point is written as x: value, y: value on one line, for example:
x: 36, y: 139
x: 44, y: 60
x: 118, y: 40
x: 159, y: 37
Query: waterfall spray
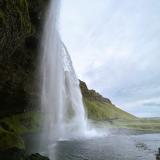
x: 61, y: 98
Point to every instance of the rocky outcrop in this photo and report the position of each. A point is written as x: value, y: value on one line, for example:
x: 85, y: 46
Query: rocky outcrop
x: 92, y: 94
x: 36, y: 156
x: 12, y: 154
x: 101, y: 108
x: 10, y: 139
x: 158, y: 154
x: 20, y: 154
x: 20, y: 28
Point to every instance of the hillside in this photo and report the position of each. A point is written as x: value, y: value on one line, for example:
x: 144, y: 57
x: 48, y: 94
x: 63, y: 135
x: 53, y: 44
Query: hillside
x: 100, y: 108
x: 118, y: 121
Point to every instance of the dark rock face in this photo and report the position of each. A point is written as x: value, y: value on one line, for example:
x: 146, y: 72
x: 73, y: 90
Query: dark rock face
x: 92, y: 94
x: 37, y: 156
x: 20, y: 28
x: 14, y: 26
x: 158, y: 154
x: 12, y: 154
x: 19, y: 154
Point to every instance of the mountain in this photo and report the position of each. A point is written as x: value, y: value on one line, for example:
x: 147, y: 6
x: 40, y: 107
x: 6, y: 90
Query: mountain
x: 100, y: 108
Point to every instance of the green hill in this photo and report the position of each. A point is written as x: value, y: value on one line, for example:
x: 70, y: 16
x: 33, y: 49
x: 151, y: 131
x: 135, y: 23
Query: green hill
x: 100, y: 108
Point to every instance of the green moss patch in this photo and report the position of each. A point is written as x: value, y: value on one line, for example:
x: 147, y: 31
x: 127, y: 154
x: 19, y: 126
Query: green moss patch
x: 10, y: 140
x: 22, y: 123
x: 11, y: 129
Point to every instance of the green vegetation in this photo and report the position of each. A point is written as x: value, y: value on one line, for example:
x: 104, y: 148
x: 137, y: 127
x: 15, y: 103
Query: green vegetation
x: 114, y: 118
x: 105, y: 111
x: 11, y: 129
x: 101, y: 108
x: 2, y: 18
x: 21, y: 123
x: 149, y: 125
x: 9, y: 140
x: 15, y: 25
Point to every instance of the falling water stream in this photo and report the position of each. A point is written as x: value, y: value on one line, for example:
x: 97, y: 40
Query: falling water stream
x: 63, y: 109
x: 61, y: 98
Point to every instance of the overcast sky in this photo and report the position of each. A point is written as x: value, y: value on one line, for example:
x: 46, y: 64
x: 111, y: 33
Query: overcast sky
x: 115, y: 49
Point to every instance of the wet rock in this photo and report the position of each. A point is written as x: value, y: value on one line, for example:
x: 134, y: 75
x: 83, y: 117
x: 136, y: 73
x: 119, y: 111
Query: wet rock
x: 20, y: 32
x: 15, y: 26
x: 10, y: 140
x: 158, y: 155
x: 12, y: 154
x: 37, y: 156
x: 19, y: 154
x: 5, y: 126
x: 141, y: 146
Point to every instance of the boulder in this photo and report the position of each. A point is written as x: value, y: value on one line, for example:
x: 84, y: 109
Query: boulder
x: 37, y: 156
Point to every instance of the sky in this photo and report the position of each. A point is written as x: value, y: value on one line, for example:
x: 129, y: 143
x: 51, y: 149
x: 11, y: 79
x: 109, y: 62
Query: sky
x: 115, y: 49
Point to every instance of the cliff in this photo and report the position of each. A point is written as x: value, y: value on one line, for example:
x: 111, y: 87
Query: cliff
x: 92, y: 94
x: 20, y: 28
x: 101, y: 108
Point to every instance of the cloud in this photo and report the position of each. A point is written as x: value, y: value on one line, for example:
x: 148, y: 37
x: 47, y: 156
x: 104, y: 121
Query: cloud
x: 115, y: 48
x: 144, y: 107
x: 152, y: 104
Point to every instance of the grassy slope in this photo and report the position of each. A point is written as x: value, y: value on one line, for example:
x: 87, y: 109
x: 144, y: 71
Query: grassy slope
x: 100, y: 108
x: 105, y: 111
x: 118, y: 118
x: 139, y: 124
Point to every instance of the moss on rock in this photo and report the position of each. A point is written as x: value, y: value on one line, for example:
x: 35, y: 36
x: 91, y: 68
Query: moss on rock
x: 9, y: 140
x: 13, y: 127
x: 14, y: 27
x: 20, y: 32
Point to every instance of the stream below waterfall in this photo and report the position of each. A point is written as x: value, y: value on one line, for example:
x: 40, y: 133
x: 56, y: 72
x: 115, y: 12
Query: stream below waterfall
x: 112, y: 147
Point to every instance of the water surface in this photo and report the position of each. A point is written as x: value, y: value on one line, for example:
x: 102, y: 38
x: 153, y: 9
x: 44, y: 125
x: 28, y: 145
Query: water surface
x: 118, y: 147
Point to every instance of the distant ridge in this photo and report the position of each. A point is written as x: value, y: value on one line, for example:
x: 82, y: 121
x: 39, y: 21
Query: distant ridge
x: 151, y: 118
x: 101, y: 108
x: 92, y: 94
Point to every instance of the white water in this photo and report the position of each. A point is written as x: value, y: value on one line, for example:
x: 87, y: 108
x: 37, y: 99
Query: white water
x: 61, y: 99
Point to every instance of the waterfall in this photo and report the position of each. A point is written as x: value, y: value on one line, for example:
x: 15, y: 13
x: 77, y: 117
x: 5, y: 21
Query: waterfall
x: 61, y: 99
